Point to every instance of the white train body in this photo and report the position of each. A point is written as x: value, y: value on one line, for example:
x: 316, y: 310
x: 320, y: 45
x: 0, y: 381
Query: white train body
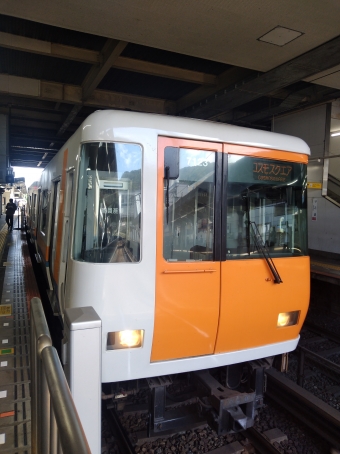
x: 142, y: 294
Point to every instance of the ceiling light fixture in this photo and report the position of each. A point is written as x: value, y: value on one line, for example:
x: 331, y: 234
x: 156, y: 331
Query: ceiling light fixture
x: 280, y: 36
x: 44, y: 156
x: 334, y: 134
x: 39, y: 163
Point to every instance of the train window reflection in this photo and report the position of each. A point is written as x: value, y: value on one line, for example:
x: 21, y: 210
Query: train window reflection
x: 272, y: 194
x: 109, y: 203
x: 189, y: 219
x: 44, y: 210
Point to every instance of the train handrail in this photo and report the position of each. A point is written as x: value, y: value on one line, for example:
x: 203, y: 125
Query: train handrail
x: 55, y: 421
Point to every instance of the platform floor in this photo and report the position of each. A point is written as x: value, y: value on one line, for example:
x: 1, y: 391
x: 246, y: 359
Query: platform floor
x: 18, y: 287
x: 325, y: 268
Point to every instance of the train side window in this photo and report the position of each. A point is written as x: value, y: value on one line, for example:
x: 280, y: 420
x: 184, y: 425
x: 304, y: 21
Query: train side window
x: 189, y: 208
x: 109, y: 203
x: 44, y: 211
x: 33, y: 207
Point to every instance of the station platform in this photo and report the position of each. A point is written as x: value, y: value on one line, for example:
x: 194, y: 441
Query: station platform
x: 18, y: 287
x: 325, y: 267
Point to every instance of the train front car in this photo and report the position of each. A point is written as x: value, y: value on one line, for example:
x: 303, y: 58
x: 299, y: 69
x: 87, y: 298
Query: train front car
x: 190, y: 241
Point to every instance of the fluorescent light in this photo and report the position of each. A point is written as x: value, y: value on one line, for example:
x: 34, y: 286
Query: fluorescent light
x: 39, y: 163
x: 44, y: 156
x: 334, y: 134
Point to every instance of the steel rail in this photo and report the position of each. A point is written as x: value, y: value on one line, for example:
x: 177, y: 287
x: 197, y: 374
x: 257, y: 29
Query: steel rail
x: 260, y: 442
x: 120, y: 435
x: 322, y: 332
x: 320, y: 361
x: 310, y: 410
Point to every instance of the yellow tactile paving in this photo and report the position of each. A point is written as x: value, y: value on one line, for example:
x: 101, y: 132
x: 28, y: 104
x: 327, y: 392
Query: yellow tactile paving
x: 3, y: 238
x: 15, y: 410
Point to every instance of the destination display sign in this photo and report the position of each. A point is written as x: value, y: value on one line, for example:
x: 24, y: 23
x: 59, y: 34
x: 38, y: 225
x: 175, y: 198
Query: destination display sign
x: 249, y: 170
x: 273, y: 171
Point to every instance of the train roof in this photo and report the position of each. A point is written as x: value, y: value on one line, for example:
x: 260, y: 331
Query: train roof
x: 34, y: 185
x: 115, y: 125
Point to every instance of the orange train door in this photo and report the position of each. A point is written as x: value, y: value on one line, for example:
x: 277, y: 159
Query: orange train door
x: 187, y: 258
x: 248, y: 291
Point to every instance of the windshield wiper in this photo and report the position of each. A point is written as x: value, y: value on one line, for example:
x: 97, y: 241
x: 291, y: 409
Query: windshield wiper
x: 260, y: 246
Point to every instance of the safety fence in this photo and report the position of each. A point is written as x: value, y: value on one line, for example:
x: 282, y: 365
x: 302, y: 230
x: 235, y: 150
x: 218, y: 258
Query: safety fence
x: 56, y: 427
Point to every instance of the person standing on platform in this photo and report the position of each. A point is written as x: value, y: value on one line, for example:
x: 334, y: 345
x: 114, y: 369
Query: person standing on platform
x: 10, y: 210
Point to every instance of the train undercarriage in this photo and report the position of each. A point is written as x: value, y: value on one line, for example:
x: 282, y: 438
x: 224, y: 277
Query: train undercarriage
x: 226, y: 398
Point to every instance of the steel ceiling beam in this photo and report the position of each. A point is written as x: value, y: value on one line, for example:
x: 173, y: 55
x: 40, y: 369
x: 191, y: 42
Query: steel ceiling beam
x: 110, y: 52
x: 71, y: 94
x: 227, y: 78
x: 316, y: 60
x: 92, y: 57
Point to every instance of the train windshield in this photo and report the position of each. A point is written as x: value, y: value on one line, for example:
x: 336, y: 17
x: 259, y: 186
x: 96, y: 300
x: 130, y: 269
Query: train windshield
x: 108, y: 217
x: 266, y: 204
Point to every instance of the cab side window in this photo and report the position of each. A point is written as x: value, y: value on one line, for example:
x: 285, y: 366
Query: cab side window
x: 44, y: 211
x: 189, y: 208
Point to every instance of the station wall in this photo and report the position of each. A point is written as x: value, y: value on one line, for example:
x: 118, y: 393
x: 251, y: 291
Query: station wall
x: 313, y: 126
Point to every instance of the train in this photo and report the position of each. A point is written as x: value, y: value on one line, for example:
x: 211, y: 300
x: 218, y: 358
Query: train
x: 188, y: 238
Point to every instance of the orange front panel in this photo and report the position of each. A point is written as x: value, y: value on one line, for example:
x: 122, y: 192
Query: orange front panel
x: 187, y: 293
x: 265, y: 153
x: 251, y: 302
x: 187, y: 308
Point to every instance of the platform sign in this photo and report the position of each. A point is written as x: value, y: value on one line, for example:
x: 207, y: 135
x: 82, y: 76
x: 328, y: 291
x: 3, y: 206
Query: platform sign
x: 5, y: 310
x: 314, y: 185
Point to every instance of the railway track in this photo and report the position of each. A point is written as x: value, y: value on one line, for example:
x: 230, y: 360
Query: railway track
x: 310, y: 410
x: 322, y: 353
x: 322, y: 420
x: 200, y: 440
x: 329, y: 368
x: 331, y: 335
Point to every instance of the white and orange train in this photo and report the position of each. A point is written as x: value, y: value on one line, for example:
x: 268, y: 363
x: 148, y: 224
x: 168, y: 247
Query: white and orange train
x: 189, y: 239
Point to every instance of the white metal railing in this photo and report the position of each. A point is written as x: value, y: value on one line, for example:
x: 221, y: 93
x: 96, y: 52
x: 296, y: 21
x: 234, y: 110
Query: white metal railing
x: 55, y: 424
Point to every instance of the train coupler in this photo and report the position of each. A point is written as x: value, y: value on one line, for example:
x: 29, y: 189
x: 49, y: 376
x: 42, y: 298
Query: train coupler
x: 231, y: 411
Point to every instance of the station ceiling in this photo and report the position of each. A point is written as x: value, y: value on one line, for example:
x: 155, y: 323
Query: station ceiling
x: 241, y: 62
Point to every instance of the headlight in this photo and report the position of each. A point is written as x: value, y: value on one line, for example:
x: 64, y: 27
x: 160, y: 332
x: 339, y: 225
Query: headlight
x: 288, y: 318
x: 130, y: 338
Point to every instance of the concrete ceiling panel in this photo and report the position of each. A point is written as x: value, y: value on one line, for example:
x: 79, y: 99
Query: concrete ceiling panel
x: 219, y: 30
